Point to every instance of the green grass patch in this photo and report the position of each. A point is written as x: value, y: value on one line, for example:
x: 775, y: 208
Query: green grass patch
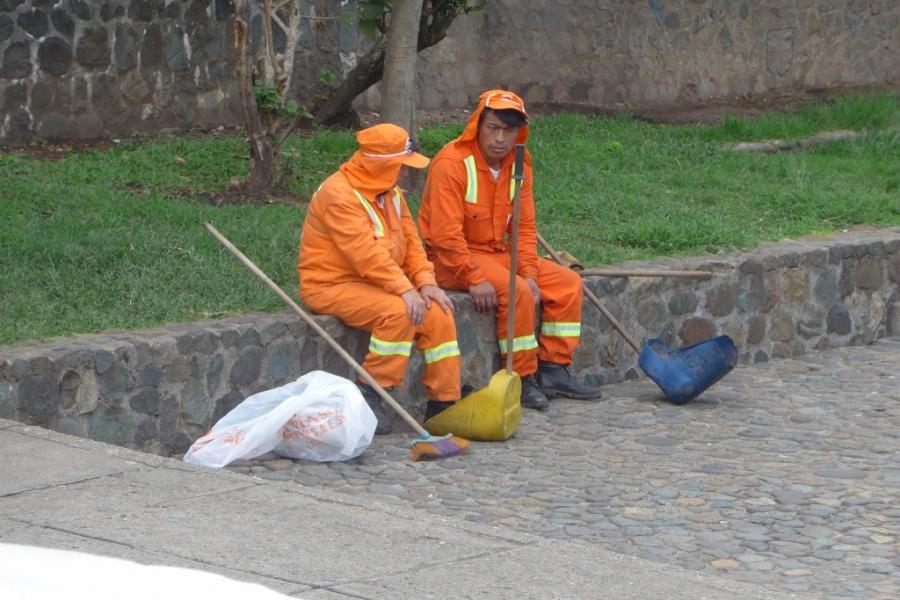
x: 114, y: 239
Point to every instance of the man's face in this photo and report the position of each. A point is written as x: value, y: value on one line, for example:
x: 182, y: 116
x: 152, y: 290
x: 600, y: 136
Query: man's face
x: 495, y: 138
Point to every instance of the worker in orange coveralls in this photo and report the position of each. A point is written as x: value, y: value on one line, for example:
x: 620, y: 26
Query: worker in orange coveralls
x: 361, y: 260
x: 465, y: 222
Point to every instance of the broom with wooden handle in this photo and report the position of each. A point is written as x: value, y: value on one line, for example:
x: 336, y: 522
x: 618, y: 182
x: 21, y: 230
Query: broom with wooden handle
x: 426, y: 446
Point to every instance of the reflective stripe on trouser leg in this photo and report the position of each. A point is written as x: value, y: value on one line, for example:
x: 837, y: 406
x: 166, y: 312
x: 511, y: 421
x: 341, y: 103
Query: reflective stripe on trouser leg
x: 561, y: 300
x: 383, y: 315
x: 436, y: 339
x: 495, y: 268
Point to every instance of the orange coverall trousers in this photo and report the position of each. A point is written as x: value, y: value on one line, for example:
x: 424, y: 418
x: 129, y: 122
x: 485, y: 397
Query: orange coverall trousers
x: 383, y: 315
x: 561, y: 298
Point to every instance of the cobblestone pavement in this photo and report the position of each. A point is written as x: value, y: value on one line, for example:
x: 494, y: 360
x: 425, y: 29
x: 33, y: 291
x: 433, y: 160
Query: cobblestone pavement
x: 785, y: 473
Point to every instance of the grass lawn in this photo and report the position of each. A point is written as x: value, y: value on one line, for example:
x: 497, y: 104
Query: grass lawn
x: 114, y: 238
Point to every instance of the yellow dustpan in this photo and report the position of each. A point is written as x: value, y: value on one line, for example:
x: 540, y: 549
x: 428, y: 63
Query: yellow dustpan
x: 492, y: 413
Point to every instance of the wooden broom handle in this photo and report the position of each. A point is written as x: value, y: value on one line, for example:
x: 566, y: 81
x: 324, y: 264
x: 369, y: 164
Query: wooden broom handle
x: 318, y: 329
x: 590, y: 295
x: 518, y: 176
x: 642, y: 273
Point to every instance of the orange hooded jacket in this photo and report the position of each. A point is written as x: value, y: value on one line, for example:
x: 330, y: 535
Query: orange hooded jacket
x: 453, y: 228
x: 358, y: 228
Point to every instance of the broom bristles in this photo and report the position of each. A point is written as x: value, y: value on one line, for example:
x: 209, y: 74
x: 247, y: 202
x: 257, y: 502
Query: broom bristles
x: 433, y: 447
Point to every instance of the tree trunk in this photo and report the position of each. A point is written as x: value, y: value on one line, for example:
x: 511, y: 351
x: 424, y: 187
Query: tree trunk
x: 398, y: 97
x: 437, y: 16
x: 261, y: 175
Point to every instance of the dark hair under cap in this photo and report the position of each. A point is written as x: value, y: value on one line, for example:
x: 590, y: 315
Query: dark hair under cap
x: 509, y: 116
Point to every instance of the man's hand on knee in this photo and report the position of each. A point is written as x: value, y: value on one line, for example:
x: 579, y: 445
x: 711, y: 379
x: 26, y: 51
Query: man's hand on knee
x: 485, y: 296
x: 415, y: 306
x: 434, y: 293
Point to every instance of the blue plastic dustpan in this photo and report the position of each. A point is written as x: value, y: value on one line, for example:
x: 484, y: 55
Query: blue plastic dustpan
x: 685, y: 373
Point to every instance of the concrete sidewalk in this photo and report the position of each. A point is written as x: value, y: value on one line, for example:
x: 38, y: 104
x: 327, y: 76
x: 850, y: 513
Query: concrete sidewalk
x: 69, y: 493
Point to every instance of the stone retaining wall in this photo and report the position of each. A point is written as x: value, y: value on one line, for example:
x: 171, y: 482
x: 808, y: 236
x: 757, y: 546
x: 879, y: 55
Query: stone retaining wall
x: 157, y: 390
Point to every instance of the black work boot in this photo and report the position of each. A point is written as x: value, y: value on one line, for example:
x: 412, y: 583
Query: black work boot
x: 532, y: 396
x: 385, y: 422
x: 434, y: 407
x: 558, y: 382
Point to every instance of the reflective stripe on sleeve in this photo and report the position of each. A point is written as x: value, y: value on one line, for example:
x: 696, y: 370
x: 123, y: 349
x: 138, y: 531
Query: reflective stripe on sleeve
x: 471, y: 180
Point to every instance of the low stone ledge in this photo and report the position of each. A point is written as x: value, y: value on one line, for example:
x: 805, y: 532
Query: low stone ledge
x: 157, y: 390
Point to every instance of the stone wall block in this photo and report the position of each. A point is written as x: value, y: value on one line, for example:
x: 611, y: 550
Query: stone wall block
x: 146, y: 436
x: 826, y: 288
x: 111, y: 426
x: 721, y: 300
x: 68, y: 388
x: 125, y: 47
x: 812, y: 324
x: 8, y: 400
x: 92, y: 48
x: 892, y: 324
x: 869, y: 274
x: 246, y: 369
x: 250, y: 337
x: 177, y: 370
x: 225, y: 404
x: 847, y: 281
x: 651, y: 313
x: 756, y: 329
x: 781, y: 328
x: 751, y: 293
x: 88, y: 393
x: 175, y: 50
x: 795, y: 286
x: 81, y: 9
x: 152, y: 47
x: 214, y: 374
x: 876, y: 249
x: 146, y: 401
x: 34, y: 22
x: 733, y: 328
x: 115, y: 382
x: 269, y: 332
x: 839, y: 320
x: 681, y: 302
x: 16, y: 61
x: 282, y: 362
x: 195, y: 405
x: 789, y: 260
x: 773, y: 290
x: 815, y: 258
x: 62, y: 21
x: 39, y: 398
x: 750, y: 266
x: 695, y: 330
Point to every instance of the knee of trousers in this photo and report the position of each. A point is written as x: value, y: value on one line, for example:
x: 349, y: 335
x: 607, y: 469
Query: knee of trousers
x: 439, y: 323
x: 396, y: 325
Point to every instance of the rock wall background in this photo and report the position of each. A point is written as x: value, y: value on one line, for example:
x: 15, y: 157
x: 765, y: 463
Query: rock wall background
x: 74, y: 69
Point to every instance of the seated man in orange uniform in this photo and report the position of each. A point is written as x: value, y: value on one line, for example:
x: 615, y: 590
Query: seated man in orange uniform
x: 465, y: 220
x: 361, y: 260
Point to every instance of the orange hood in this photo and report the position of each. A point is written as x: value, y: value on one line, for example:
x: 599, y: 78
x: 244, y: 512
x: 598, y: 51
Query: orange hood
x: 383, y: 150
x: 498, y: 100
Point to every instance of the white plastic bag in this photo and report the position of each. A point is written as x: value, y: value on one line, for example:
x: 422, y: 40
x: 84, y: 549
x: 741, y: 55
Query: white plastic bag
x: 319, y: 417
